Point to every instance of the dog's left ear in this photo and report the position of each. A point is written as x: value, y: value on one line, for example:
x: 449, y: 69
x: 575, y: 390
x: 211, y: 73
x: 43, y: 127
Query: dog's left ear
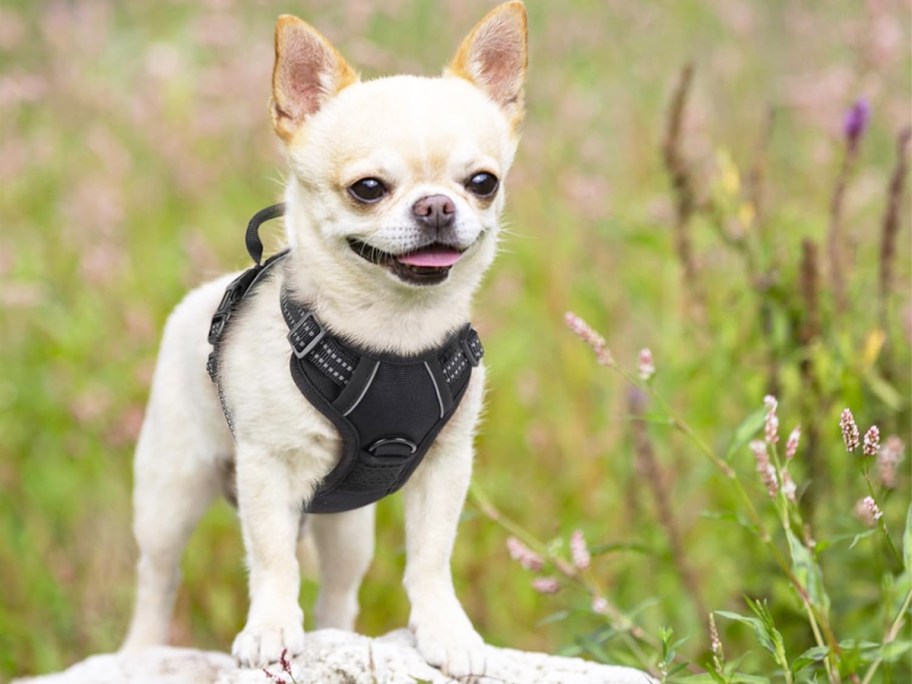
x: 308, y: 71
x: 494, y: 57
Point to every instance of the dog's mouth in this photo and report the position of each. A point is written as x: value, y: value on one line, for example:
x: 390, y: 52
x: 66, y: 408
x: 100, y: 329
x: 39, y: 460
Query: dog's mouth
x: 428, y: 265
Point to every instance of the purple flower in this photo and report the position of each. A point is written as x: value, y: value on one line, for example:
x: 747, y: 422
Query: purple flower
x: 856, y: 121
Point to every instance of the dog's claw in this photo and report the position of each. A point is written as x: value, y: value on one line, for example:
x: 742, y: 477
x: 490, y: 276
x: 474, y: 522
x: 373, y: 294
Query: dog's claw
x: 258, y: 646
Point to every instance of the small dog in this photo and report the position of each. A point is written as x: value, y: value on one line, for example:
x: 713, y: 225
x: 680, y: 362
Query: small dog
x: 391, y: 217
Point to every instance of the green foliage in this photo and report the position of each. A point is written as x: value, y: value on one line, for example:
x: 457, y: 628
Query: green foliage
x: 135, y: 145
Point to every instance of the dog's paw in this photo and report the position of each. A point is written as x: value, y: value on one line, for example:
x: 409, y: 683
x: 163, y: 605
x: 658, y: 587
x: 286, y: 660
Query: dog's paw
x: 259, y: 645
x: 452, y: 645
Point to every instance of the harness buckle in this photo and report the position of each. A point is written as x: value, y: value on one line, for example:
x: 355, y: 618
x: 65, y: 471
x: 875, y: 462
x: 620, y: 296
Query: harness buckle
x: 301, y: 347
x: 471, y: 347
x: 236, y: 289
x: 392, y: 447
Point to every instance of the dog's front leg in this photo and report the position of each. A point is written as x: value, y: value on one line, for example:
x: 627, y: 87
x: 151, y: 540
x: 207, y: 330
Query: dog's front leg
x: 433, y: 501
x: 269, y: 505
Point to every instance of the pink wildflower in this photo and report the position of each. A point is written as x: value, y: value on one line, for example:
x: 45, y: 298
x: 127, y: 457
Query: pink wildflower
x: 524, y: 555
x: 789, y: 488
x: 889, y: 456
x: 849, y: 430
x: 867, y: 511
x: 579, y: 551
x: 546, y: 585
x: 871, y: 441
x: 771, y: 426
x: 646, y: 365
x: 590, y: 337
x: 599, y: 606
x: 764, y: 467
x: 791, y: 445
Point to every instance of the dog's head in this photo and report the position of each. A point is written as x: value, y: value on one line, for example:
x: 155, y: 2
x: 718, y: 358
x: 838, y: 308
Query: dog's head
x: 399, y: 180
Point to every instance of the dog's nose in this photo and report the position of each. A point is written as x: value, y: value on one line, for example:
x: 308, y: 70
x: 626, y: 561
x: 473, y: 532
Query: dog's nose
x: 435, y: 211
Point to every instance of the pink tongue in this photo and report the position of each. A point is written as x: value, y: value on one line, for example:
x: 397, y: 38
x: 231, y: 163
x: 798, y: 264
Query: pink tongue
x: 435, y: 257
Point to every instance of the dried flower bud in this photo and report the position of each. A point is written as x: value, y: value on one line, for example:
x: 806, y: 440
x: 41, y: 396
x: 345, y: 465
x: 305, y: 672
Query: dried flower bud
x: 646, y: 365
x: 546, y: 585
x: 850, y: 435
x: 871, y: 441
x: 524, y: 555
x: 284, y: 662
x: 273, y: 677
x: 791, y: 445
x: 579, y: 551
x: 867, y: 511
x: 590, y: 337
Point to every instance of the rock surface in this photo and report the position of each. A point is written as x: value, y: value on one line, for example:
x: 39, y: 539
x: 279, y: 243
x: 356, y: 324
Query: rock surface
x: 334, y: 657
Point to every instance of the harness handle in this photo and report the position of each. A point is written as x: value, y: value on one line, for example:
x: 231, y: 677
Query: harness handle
x: 252, y: 238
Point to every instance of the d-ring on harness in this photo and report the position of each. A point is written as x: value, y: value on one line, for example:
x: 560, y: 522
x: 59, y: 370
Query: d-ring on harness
x: 387, y: 408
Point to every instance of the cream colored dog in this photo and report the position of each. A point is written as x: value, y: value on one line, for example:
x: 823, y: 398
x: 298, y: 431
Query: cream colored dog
x: 364, y: 156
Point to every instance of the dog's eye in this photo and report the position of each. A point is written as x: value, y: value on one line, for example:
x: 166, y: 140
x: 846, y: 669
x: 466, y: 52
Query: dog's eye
x: 367, y: 190
x: 483, y: 184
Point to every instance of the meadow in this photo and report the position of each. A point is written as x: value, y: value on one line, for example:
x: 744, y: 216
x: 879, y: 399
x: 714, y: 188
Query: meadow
x: 722, y: 182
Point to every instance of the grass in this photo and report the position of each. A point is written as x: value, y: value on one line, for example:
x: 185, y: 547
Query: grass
x: 135, y: 145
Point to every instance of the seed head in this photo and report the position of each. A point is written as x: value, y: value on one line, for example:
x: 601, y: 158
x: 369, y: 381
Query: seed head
x: 715, y: 643
x: 871, y: 441
x: 849, y: 429
x: 579, y: 551
x: 524, y: 555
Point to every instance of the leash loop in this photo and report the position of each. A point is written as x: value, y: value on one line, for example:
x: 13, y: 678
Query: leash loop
x: 252, y: 238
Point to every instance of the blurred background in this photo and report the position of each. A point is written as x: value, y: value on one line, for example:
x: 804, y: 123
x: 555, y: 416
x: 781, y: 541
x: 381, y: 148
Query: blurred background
x: 135, y: 144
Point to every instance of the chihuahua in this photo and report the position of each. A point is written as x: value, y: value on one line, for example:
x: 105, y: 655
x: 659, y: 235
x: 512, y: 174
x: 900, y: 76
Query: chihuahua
x: 392, y: 209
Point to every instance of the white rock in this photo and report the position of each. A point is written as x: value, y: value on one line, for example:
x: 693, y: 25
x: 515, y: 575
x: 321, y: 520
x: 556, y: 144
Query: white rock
x: 335, y: 657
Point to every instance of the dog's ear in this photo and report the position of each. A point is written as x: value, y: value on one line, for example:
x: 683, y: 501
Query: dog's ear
x: 308, y: 71
x: 494, y: 57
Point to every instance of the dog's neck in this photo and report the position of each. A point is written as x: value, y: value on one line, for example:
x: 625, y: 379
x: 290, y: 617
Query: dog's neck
x: 388, y: 318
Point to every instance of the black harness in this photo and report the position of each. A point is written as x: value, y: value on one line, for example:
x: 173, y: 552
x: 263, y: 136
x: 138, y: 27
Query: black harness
x: 387, y: 408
